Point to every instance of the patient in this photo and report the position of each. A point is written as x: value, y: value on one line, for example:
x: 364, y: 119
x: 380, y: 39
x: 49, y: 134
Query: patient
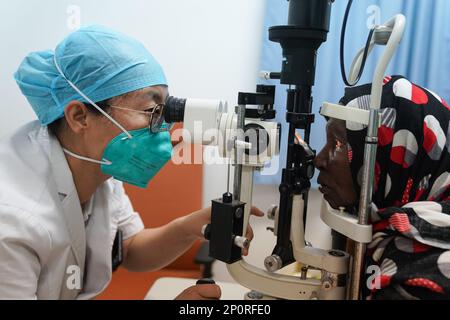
x: 411, y: 198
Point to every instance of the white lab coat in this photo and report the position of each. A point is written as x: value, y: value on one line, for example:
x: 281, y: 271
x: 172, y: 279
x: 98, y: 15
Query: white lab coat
x: 47, y: 251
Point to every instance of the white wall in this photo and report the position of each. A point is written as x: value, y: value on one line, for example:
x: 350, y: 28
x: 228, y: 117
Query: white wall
x: 208, y: 48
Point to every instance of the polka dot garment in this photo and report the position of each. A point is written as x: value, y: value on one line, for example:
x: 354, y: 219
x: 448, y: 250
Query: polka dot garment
x: 411, y: 220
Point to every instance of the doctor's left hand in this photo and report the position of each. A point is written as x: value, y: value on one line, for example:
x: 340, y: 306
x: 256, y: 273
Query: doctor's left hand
x: 194, y: 222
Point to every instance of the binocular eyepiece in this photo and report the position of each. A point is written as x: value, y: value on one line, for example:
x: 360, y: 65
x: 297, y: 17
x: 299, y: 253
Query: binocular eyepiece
x: 174, y: 109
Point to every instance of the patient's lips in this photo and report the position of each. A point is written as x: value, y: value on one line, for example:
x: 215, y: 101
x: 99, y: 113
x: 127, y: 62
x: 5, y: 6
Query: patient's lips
x: 324, y: 188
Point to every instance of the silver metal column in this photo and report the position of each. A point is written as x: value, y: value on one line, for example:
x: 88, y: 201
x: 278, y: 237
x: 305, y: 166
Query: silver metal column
x: 370, y: 152
x: 239, y: 152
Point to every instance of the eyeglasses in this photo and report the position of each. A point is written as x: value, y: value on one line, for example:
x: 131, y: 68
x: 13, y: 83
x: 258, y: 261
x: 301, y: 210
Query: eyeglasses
x: 155, y: 116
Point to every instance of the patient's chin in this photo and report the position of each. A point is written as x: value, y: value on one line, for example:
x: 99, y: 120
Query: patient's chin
x: 334, y: 206
x: 334, y: 203
x: 330, y: 201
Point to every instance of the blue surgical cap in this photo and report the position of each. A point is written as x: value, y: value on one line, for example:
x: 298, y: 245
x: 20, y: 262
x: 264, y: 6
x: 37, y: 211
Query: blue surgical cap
x: 101, y: 62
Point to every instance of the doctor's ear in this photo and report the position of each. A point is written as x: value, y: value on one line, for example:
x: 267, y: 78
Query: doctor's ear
x: 76, y: 114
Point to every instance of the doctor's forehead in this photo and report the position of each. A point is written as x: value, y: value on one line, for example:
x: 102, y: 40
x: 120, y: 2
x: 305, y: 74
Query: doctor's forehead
x: 157, y: 94
x: 154, y: 94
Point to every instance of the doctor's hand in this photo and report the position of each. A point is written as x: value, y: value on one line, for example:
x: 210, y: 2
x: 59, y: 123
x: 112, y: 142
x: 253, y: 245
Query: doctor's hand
x: 201, y: 292
x: 194, y: 222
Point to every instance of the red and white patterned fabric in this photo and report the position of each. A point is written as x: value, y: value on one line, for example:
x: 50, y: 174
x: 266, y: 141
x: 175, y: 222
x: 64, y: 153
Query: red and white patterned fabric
x: 411, y: 242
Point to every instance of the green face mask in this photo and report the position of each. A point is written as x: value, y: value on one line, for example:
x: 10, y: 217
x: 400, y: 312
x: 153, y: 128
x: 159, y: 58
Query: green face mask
x: 137, y: 160
x: 134, y: 157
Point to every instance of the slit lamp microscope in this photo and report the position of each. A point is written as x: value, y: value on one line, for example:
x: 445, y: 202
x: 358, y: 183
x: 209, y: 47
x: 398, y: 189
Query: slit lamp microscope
x: 250, y: 138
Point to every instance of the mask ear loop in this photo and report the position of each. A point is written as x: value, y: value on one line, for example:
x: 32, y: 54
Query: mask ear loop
x: 105, y: 162
x: 74, y: 87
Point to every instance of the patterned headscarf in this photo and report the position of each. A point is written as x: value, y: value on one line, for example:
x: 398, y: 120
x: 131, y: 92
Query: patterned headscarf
x: 411, y: 195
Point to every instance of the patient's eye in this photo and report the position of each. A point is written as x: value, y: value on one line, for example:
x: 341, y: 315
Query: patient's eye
x: 338, y: 145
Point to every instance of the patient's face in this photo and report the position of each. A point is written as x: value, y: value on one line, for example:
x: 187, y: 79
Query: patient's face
x: 333, y: 163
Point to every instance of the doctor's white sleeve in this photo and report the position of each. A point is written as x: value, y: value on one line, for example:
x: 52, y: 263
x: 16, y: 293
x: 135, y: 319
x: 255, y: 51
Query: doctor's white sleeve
x: 128, y: 220
x: 24, y: 246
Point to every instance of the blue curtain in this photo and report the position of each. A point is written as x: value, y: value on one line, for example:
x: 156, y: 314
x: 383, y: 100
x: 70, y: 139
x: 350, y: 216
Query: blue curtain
x: 423, y: 56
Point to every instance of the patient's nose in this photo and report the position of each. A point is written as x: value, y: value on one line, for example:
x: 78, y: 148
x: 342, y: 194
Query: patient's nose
x: 321, y: 160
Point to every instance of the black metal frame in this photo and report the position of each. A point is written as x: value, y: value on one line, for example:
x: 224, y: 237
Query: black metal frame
x: 307, y: 29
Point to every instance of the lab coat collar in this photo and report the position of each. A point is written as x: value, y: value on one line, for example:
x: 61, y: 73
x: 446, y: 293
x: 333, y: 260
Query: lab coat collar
x: 60, y: 168
x: 67, y: 192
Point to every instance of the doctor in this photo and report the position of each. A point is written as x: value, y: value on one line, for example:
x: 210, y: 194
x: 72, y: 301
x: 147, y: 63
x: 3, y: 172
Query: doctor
x: 98, y: 98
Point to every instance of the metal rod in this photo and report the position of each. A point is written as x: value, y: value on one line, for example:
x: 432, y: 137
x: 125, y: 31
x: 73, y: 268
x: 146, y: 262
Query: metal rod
x: 370, y: 152
x: 228, y: 176
x: 238, y: 152
x: 398, y: 25
x: 299, y: 101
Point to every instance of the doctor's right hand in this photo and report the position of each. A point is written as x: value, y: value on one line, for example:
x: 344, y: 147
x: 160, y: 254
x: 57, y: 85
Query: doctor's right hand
x: 201, y: 292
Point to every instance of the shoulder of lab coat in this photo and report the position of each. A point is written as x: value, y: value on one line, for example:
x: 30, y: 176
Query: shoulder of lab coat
x: 36, y: 181
x: 37, y: 189
x: 24, y: 246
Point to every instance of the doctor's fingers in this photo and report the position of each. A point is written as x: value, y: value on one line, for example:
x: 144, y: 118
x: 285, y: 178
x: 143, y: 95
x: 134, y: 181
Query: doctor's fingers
x: 256, y: 212
x: 249, y: 235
